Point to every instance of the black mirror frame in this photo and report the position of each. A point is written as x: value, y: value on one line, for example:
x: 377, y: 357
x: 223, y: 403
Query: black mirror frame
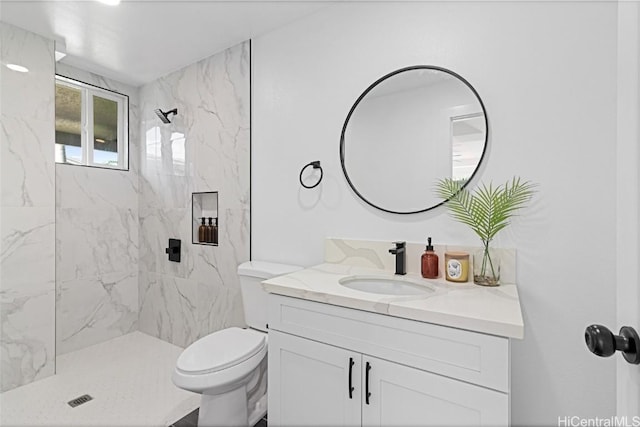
x: 369, y: 89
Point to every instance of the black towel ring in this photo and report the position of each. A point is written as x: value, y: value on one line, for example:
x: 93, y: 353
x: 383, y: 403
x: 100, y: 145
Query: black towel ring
x: 316, y: 165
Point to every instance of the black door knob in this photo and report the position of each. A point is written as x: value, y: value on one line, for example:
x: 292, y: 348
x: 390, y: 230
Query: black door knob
x: 602, y: 342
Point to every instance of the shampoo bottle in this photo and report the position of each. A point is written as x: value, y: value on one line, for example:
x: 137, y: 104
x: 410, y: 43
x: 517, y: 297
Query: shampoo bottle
x: 209, y: 232
x: 214, y: 231
x: 429, y: 262
x: 202, y: 232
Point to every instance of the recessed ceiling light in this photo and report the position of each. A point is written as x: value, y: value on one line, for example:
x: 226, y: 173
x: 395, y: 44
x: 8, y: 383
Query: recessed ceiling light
x: 110, y: 2
x: 18, y: 68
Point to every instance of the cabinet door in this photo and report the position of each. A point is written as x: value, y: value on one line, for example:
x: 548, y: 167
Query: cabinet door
x: 403, y: 396
x: 309, y: 383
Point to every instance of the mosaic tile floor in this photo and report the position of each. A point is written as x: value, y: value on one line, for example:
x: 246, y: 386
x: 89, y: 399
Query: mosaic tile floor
x: 129, y: 379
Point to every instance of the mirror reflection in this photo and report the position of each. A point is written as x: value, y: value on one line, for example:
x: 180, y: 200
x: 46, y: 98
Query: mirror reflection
x: 467, y: 145
x: 406, y: 131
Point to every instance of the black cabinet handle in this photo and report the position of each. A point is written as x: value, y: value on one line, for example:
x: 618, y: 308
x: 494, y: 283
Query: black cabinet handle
x: 602, y: 342
x: 367, y: 394
x: 351, y: 388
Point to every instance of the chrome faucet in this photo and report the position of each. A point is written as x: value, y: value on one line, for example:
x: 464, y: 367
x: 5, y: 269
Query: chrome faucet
x: 401, y: 259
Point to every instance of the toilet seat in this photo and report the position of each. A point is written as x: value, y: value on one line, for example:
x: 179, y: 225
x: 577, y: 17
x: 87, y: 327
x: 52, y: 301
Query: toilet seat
x: 244, y: 352
x: 220, y: 350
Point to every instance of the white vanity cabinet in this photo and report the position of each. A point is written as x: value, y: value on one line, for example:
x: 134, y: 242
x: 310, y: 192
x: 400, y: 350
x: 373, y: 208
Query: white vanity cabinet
x: 405, y: 396
x: 310, y: 383
x: 330, y: 366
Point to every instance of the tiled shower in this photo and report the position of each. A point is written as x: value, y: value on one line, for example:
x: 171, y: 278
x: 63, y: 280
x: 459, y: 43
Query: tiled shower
x: 97, y: 236
x: 83, y: 249
x: 27, y: 210
x: 205, y: 148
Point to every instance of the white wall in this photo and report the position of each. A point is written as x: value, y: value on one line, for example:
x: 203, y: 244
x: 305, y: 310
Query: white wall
x: 546, y: 72
x: 628, y: 207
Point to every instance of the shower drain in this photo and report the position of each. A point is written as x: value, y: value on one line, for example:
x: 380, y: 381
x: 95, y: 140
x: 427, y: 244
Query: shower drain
x: 79, y: 400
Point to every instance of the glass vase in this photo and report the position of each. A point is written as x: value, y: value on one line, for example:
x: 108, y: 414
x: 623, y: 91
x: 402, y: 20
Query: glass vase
x: 486, y: 267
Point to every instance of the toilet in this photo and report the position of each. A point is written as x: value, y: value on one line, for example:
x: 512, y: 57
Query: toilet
x: 229, y: 367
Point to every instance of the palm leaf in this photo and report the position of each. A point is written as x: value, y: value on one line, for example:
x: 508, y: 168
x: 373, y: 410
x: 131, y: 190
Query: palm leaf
x: 489, y: 209
x: 459, y: 202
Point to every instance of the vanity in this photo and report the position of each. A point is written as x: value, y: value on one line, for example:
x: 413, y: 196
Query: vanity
x: 340, y: 355
x: 352, y: 344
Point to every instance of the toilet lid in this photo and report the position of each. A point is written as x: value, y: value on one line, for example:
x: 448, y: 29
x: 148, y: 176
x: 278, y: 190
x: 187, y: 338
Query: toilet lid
x: 220, y: 350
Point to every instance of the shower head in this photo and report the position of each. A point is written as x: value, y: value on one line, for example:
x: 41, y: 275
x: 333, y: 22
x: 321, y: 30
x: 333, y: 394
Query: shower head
x: 165, y: 116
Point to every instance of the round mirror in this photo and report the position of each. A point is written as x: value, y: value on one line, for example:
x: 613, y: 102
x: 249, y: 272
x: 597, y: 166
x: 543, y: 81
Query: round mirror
x: 409, y: 129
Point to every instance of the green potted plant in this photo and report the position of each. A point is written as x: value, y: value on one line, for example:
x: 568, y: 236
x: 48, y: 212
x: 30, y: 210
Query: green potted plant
x: 487, y: 210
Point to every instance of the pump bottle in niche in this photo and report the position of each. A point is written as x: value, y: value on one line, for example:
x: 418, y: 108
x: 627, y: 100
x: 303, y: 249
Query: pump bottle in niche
x: 429, y: 262
x: 210, y: 231
x: 202, y: 232
x: 207, y: 233
x: 213, y: 238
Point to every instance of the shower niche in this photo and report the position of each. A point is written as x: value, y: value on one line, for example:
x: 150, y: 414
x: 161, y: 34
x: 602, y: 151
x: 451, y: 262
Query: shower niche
x: 204, y: 222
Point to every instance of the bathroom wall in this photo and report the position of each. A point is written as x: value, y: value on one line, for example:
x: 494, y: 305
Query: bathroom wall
x: 546, y: 72
x: 205, y: 148
x: 27, y: 209
x: 97, y: 240
x: 628, y: 200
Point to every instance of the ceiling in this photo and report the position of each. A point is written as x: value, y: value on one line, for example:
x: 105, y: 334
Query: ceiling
x: 140, y: 40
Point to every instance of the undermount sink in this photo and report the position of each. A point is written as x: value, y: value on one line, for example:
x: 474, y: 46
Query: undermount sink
x: 386, y: 285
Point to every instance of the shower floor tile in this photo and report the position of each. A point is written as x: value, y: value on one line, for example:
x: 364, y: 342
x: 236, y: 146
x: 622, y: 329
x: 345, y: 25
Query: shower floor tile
x: 129, y: 379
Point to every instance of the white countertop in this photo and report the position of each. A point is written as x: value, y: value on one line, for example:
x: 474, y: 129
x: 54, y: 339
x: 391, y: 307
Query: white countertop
x: 491, y: 310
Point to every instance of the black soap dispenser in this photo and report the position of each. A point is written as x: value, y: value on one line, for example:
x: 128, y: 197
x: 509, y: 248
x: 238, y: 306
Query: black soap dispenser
x: 202, y: 232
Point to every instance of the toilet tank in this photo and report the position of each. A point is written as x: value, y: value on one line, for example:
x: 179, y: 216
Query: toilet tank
x: 254, y: 298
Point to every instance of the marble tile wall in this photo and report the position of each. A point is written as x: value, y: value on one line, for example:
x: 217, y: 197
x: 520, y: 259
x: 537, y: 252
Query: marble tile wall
x: 97, y: 227
x: 205, y: 148
x: 27, y: 209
